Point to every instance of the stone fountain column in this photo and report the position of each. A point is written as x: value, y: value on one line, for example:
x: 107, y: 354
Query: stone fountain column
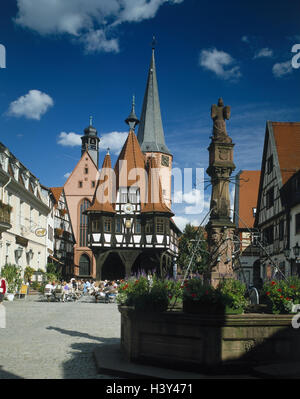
x: 220, y: 228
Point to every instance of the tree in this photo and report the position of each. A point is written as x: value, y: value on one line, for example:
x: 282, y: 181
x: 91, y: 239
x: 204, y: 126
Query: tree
x: 188, y: 246
x: 28, y: 272
x: 53, y: 270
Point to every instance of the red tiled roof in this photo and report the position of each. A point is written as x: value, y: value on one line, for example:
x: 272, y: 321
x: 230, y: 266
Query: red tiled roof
x: 56, y: 191
x: 248, y: 193
x: 132, y: 153
x: 103, y: 196
x: 287, y: 140
x: 154, y: 198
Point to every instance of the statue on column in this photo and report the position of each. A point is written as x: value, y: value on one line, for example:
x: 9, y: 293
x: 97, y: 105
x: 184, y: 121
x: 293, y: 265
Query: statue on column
x: 220, y: 228
x: 219, y: 113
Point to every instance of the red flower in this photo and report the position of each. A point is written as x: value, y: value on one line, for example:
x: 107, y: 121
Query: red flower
x: 170, y: 296
x: 288, y: 299
x: 268, y: 293
x: 292, y: 286
x: 273, y: 283
x: 281, y: 296
x: 279, y: 290
x: 194, y: 295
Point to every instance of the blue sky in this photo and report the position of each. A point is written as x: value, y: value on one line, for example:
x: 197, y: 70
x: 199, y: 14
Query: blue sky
x: 67, y: 60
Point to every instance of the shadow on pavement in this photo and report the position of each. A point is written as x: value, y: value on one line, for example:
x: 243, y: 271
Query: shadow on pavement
x: 82, y: 364
x: 5, y: 375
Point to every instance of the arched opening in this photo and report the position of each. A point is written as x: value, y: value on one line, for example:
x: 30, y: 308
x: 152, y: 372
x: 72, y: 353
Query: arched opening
x: 145, y: 263
x: 84, y: 265
x: 83, y: 223
x: 113, y: 268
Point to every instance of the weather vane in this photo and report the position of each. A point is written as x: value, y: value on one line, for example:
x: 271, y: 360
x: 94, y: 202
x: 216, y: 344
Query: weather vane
x: 91, y: 121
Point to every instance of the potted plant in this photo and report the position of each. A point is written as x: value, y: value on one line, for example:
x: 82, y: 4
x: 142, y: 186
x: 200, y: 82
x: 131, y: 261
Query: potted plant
x: 281, y: 295
x: 143, y: 294
x: 63, y: 212
x: 58, y: 232
x: 12, y: 275
x: 199, y: 297
x: 233, y: 293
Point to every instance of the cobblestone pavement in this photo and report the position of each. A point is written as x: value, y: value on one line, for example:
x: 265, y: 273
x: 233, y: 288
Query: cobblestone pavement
x: 55, y: 340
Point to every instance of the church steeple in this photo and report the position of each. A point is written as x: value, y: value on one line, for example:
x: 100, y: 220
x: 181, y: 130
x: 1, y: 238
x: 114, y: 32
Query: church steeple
x: 151, y: 134
x: 90, y: 142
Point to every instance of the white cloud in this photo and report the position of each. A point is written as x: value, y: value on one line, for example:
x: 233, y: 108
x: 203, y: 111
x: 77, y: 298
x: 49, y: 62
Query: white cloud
x: 96, y: 41
x: 66, y: 175
x: 90, y: 21
x: 221, y: 63
x: 69, y: 139
x: 138, y: 10
x: 114, y: 141
x: 32, y: 105
x: 182, y: 221
x: 264, y: 52
x: 282, y: 68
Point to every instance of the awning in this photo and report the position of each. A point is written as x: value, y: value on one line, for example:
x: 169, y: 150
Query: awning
x: 56, y: 260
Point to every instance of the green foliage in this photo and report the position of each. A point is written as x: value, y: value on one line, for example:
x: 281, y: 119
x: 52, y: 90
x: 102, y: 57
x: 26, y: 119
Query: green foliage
x: 196, y: 290
x: 28, y: 272
x: 145, y: 294
x: 36, y: 285
x: 187, y: 245
x: 12, y: 275
x: 53, y: 270
x: 282, y: 294
x: 51, y: 277
x: 230, y: 294
x: 233, y: 292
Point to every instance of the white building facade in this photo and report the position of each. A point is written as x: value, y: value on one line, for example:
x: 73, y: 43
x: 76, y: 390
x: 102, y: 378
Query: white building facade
x: 24, y: 238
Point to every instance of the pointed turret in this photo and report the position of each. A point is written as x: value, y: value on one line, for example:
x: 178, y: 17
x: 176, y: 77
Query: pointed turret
x: 103, y: 197
x: 151, y: 134
x: 132, y: 119
x: 90, y: 142
x: 131, y: 160
x: 154, y: 199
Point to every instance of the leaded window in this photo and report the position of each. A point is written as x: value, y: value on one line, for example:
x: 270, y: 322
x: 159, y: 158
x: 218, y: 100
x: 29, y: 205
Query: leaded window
x: 160, y: 226
x: 118, y: 225
x: 83, y: 236
x: 107, y: 225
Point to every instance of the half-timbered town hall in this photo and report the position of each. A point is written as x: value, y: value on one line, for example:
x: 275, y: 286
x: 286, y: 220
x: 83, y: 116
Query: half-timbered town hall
x: 130, y: 226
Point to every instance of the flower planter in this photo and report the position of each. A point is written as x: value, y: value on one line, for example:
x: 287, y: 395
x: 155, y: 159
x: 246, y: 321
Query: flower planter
x: 196, y: 307
x: 199, y: 341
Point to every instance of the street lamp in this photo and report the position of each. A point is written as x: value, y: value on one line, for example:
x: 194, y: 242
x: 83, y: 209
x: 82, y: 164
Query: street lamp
x: 296, y: 250
x: 286, y: 252
x: 19, y: 252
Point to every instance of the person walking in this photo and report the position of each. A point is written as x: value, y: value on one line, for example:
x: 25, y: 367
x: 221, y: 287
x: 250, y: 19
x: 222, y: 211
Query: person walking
x: 3, y: 288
